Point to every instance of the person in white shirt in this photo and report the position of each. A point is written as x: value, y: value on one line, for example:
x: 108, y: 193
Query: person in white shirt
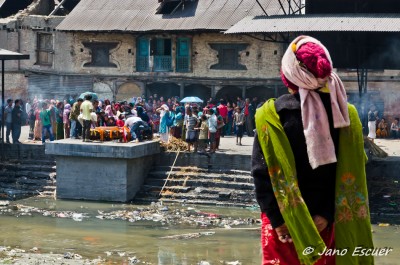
x: 212, y: 128
x: 28, y: 108
x: 86, y: 110
x: 131, y: 120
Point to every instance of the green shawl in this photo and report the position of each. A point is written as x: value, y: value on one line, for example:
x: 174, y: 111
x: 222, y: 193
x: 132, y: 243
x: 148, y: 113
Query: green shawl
x: 352, y: 219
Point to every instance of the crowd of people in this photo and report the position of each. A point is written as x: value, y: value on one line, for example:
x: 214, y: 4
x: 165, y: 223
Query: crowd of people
x: 203, y: 127
x: 379, y: 128
x: 54, y: 119
x: 200, y: 125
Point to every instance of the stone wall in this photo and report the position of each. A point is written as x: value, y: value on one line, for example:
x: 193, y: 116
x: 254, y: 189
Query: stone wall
x: 383, y: 88
x: 262, y: 59
x: 25, y: 151
x: 15, y: 84
x: 31, y: 26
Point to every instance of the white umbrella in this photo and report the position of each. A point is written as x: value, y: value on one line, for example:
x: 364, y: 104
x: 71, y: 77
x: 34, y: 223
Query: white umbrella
x: 191, y: 100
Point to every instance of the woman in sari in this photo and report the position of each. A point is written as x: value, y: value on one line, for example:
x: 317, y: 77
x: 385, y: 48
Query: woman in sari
x: 382, y: 131
x: 164, y: 129
x: 66, y: 121
x: 308, y: 166
x: 60, y: 121
x: 37, y: 132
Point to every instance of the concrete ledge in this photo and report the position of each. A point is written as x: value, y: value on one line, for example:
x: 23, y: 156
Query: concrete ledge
x: 71, y: 147
x: 105, y: 171
x: 101, y: 179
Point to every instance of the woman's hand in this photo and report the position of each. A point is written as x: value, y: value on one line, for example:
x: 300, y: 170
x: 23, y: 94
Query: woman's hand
x: 320, y: 222
x: 283, y: 234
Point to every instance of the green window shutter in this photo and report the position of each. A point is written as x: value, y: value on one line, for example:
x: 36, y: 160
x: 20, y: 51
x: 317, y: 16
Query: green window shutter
x: 183, y: 55
x: 142, y: 55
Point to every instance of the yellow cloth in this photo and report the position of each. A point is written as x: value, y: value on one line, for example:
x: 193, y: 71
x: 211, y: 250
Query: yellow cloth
x: 324, y: 89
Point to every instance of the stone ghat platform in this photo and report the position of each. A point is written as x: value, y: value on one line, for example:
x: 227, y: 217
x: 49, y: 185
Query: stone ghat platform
x: 105, y: 171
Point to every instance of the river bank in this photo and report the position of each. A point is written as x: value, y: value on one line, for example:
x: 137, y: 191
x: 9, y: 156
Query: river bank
x: 45, y: 230
x: 35, y: 230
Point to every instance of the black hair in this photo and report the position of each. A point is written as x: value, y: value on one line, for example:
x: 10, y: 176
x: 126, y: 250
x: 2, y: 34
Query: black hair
x: 88, y: 97
x: 80, y: 100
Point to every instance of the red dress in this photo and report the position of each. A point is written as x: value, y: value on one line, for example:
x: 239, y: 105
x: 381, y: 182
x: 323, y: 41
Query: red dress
x: 276, y: 252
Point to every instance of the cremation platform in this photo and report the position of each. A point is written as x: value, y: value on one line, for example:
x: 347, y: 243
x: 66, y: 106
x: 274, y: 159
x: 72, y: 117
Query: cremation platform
x: 106, y: 171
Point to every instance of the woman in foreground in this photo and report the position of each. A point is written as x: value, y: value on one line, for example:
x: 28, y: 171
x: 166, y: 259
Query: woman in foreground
x: 308, y: 166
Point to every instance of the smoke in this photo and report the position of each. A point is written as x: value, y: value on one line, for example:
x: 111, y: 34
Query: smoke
x: 383, y: 52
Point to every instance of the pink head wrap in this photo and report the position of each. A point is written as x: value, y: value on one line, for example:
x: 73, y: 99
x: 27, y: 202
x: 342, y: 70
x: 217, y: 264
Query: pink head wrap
x: 310, y: 68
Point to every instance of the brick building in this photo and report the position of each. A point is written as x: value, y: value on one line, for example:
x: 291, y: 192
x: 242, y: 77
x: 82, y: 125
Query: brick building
x: 126, y: 48
x: 120, y: 49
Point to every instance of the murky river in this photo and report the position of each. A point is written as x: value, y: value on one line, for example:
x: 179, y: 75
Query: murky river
x: 93, y: 237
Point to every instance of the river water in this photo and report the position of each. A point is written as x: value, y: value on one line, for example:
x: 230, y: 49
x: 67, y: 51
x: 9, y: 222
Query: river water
x: 92, y: 237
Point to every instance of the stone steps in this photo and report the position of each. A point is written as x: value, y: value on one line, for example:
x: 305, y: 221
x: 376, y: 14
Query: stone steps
x: 28, y: 167
x: 34, y: 162
x: 199, y: 186
x: 27, y: 177
x: 196, y: 201
x: 202, y: 182
x: 201, y: 175
x: 196, y: 169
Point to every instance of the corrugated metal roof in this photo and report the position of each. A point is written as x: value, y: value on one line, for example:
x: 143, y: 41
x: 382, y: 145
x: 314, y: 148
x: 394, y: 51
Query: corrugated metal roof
x: 325, y: 22
x: 10, y: 55
x: 140, y: 15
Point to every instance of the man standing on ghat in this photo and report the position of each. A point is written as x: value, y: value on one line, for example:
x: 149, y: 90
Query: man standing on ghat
x: 73, y: 116
x: 17, y: 115
x: 8, y: 118
x: 86, y: 110
x: 308, y: 166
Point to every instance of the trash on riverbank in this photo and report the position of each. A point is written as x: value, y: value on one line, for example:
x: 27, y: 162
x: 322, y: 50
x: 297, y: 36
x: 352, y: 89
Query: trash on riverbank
x: 189, y: 235
x: 4, y: 203
x: 159, y: 213
x: 156, y: 212
x: 17, y: 256
x: 23, y: 210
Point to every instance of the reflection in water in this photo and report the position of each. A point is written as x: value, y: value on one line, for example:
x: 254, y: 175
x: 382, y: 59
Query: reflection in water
x: 168, y: 257
x: 93, y: 237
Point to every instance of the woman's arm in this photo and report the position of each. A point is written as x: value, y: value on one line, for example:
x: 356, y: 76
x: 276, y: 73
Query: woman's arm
x: 263, y: 187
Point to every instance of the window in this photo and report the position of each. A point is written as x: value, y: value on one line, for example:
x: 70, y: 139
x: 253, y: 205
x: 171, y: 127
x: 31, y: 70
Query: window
x: 168, y: 6
x: 228, y: 56
x: 161, y: 51
x: 44, y: 49
x: 183, y: 55
x: 142, y: 55
x: 154, y: 55
x: 100, y: 52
